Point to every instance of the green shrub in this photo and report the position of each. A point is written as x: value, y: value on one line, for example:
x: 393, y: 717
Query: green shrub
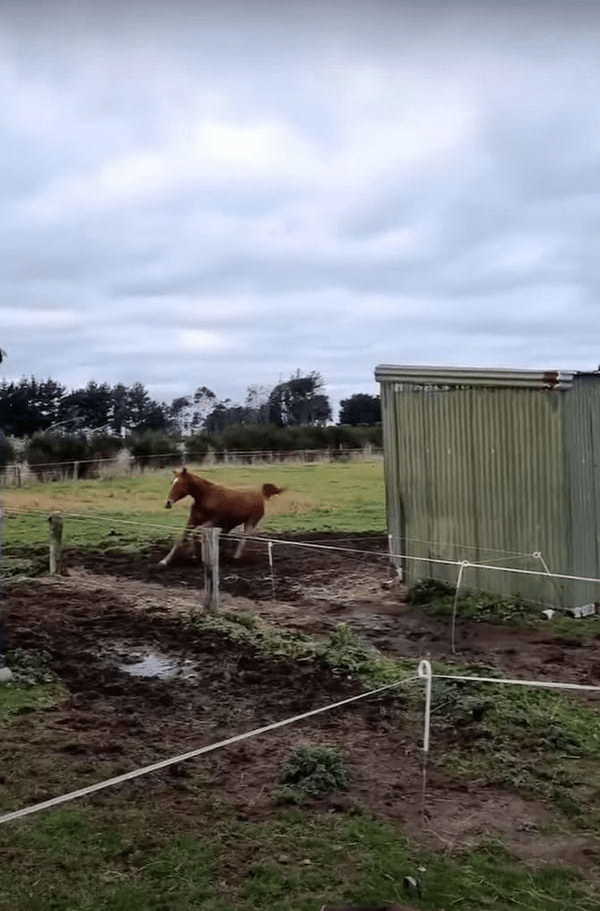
x: 46, y: 447
x: 7, y: 453
x: 153, y: 447
x: 30, y: 667
x: 104, y: 446
x: 426, y: 590
x: 313, y: 771
x: 270, y: 438
x: 197, y: 447
x: 438, y: 598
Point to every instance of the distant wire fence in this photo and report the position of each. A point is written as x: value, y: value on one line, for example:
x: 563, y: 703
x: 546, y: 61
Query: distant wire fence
x: 19, y: 474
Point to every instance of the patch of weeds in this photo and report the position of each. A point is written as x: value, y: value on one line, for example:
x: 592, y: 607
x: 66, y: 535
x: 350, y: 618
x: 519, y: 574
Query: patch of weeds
x: 426, y: 590
x: 16, y: 700
x: 30, y: 667
x: 534, y: 741
x: 34, y: 686
x: 245, y: 618
x: 569, y: 628
x: 456, y: 706
x: 438, y: 599
x: 13, y: 567
x: 343, y: 652
x: 312, y: 771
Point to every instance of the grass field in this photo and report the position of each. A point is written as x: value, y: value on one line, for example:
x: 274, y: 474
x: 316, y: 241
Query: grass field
x: 320, y: 497
x: 293, y: 862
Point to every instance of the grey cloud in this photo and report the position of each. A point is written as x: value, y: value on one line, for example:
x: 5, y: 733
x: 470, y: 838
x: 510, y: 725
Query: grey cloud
x: 218, y: 194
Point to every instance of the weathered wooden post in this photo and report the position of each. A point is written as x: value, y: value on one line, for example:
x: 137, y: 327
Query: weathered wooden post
x: 210, y: 559
x: 6, y: 674
x: 56, y: 533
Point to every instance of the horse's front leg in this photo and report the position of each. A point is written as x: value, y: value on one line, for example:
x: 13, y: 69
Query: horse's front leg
x: 174, y: 550
x: 180, y: 543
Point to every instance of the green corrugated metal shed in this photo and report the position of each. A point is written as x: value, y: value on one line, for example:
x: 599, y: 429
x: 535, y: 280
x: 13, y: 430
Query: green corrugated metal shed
x: 493, y: 465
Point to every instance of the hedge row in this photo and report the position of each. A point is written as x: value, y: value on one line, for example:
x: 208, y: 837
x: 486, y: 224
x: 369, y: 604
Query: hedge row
x: 45, y: 448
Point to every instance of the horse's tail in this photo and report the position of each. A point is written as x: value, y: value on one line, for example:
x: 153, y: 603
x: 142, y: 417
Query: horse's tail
x: 269, y: 490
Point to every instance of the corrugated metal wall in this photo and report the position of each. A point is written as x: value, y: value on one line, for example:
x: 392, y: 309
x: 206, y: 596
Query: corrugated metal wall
x: 472, y: 472
x: 582, y: 443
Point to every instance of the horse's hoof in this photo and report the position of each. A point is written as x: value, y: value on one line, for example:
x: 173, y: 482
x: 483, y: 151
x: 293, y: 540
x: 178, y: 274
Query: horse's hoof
x: 163, y: 564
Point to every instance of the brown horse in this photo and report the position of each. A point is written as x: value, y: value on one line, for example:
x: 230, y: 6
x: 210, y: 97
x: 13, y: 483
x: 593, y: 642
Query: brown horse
x: 215, y: 506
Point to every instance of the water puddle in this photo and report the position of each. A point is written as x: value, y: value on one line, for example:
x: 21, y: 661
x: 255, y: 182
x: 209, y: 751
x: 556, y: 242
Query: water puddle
x: 138, y: 662
x: 152, y: 665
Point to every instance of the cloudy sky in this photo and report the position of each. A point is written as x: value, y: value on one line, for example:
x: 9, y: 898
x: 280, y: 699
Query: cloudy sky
x: 219, y: 193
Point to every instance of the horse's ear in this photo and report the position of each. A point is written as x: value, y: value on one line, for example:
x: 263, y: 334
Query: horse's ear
x: 184, y: 470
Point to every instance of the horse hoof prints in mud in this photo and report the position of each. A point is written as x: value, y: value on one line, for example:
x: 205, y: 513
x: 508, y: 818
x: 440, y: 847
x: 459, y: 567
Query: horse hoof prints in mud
x: 215, y: 506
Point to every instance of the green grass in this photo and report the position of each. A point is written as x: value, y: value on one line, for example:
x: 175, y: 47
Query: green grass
x: 535, y: 742
x: 342, y: 651
x: 16, y: 699
x: 437, y: 599
x: 82, y: 859
x: 321, y: 497
x: 33, y: 688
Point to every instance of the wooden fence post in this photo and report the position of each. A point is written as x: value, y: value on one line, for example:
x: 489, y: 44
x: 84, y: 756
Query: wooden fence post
x: 6, y: 674
x: 56, y: 533
x: 210, y: 559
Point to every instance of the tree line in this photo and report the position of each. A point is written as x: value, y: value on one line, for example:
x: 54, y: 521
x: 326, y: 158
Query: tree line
x: 92, y: 421
x: 29, y: 406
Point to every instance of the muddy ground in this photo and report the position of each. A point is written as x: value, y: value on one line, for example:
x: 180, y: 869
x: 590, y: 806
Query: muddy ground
x: 313, y: 591
x: 116, y: 617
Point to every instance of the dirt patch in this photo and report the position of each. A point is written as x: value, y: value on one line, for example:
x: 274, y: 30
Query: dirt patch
x: 115, y: 720
x: 299, y: 572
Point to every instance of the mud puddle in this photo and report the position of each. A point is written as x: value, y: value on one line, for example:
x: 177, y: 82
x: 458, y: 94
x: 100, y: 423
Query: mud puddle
x: 148, y: 661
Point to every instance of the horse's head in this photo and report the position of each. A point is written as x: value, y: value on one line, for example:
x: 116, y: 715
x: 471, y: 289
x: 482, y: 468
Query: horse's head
x: 179, y: 487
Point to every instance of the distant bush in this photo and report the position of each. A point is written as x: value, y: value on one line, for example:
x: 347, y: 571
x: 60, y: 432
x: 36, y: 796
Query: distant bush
x: 104, y: 446
x: 155, y: 448
x: 45, y: 447
x: 270, y: 438
x: 359, y: 436
x: 7, y: 453
x: 198, y: 446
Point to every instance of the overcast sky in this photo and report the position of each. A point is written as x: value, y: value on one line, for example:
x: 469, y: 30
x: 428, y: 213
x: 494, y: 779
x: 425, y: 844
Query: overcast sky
x: 219, y: 193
